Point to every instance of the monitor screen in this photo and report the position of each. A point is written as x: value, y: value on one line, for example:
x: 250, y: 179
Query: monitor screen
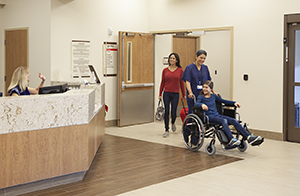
x: 95, y: 76
x: 53, y: 89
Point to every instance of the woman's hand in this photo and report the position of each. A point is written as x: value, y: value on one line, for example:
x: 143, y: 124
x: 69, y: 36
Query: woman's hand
x: 43, y: 78
x: 237, y: 104
x: 160, y: 97
x: 191, y: 95
x: 204, y: 107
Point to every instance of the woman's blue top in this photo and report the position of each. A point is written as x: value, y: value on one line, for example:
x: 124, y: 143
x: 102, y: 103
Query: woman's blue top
x: 211, y: 103
x: 19, y: 91
x: 196, y: 77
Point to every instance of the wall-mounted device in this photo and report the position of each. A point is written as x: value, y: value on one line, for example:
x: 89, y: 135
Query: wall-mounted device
x: 246, y: 77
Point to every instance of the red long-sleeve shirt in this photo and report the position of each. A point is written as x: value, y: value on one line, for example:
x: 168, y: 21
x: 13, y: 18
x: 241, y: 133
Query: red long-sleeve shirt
x: 171, y: 80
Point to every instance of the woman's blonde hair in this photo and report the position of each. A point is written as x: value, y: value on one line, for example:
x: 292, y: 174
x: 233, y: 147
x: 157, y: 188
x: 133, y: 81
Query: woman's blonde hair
x: 19, y: 77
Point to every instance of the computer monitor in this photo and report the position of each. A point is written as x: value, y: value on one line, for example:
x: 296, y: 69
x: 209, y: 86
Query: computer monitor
x: 95, y: 76
x: 53, y: 89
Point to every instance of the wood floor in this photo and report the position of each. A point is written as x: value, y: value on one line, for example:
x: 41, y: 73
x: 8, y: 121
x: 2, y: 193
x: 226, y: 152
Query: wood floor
x: 123, y: 164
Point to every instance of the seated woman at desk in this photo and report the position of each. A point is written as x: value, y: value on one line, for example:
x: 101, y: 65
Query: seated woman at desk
x: 19, y: 83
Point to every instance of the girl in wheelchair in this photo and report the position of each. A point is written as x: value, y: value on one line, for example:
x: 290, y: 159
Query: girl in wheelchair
x: 207, y: 101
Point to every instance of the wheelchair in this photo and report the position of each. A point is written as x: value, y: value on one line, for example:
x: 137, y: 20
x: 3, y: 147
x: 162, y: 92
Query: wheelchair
x: 196, y: 127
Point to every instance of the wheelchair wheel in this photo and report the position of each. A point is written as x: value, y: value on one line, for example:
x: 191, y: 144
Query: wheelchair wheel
x: 243, y: 146
x: 193, y: 132
x: 210, y: 149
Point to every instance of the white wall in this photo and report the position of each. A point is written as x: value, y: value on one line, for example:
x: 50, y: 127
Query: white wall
x: 163, y: 48
x: 35, y: 15
x: 258, y: 47
x: 217, y: 45
x: 89, y: 20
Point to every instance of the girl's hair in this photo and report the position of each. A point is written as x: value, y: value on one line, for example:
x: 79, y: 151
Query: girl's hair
x: 19, y: 77
x: 177, y: 58
x: 199, y: 52
x: 210, y: 84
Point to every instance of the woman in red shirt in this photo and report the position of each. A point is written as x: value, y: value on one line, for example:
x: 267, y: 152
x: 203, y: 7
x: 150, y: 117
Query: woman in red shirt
x: 170, y: 84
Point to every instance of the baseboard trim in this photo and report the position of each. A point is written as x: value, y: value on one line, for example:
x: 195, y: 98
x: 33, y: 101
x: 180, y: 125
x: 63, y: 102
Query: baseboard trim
x: 42, y: 184
x: 111, y: 123
x: 268, y: 134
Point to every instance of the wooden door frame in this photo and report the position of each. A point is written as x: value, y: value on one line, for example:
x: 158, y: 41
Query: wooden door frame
x: 230, y: 28
x: 14, y: 29
x: 288, y: 19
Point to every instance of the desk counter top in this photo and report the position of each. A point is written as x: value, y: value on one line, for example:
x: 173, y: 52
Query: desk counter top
x: 33, y: 112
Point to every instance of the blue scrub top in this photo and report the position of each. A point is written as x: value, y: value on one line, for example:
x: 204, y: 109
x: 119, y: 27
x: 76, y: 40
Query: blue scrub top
x: 17, y: 90
x: 195, y: 77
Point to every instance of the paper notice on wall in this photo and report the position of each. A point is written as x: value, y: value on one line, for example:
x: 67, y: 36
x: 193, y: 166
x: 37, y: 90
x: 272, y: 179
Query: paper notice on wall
x: 110, y: 58
x: 80, y: 59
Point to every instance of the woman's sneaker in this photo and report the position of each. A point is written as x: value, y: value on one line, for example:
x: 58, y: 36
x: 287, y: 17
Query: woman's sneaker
x: 173, y: 127
x: 166, y: 134
x: 251, y: 139
x: 234, y: 142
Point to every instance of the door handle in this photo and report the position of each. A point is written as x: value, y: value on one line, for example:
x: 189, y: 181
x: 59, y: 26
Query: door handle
x: 135, y: 85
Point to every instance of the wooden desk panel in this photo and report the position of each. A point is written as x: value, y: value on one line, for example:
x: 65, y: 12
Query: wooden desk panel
x: 35, y: 155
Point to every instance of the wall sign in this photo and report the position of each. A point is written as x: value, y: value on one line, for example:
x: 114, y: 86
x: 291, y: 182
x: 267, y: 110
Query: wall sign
x: 110, y: 58
x: 80, y: 59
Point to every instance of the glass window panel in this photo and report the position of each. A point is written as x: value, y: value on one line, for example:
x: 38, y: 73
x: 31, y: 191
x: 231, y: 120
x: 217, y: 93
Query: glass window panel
x: 297, y: 106
x: 297, y: 56
x: 129, y: 61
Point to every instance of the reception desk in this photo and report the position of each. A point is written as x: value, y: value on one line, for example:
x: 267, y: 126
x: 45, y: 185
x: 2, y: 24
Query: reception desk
x: 50, y: 136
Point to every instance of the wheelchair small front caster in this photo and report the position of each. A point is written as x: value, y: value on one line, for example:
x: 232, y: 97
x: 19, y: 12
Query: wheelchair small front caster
x: 243, y: 146
x: 210, y: 149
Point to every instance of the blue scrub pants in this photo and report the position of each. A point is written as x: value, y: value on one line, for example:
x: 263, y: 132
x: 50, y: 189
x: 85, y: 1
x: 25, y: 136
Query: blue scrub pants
x: 225, y: 121
x: 172, y: 98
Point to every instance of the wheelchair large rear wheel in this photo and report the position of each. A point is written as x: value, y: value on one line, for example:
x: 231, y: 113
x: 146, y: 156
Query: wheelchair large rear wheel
x: 193, y: 132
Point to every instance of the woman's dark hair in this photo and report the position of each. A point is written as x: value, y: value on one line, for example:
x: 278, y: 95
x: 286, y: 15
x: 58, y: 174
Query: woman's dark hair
x: 210, y: 84
x: 177, y: 58
x: 199, y: 52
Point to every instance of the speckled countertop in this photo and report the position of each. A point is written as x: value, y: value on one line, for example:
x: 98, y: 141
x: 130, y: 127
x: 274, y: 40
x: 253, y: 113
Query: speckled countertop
x: 33, y: 112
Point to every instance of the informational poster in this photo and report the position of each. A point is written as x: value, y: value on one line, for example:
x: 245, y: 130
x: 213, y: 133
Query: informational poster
x: 110, y: 58
x: 80, y: 59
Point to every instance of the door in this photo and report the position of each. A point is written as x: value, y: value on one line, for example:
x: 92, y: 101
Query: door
x: 185, y: 47
x: 15, y: 52
x: 135, y: 78
x: 293, y: 102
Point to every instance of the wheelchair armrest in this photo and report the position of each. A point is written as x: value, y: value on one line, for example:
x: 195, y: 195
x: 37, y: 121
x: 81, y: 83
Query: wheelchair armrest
x: 199, y: 112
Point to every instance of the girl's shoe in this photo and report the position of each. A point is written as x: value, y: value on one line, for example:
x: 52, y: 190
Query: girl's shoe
x: 234, y: 142
x: 251, y: 139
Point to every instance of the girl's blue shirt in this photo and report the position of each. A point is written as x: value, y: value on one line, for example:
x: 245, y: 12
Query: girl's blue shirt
x: 211, y: 103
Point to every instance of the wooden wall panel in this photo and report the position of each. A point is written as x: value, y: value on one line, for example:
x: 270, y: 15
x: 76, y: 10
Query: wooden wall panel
x: 96, y: 133
x: 44, y: 145
x: 74, y: 149
x: 14, y: 159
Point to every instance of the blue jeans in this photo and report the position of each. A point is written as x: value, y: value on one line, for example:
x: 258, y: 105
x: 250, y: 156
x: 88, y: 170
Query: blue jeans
x: 225, y: 121
x: 172, y: 98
